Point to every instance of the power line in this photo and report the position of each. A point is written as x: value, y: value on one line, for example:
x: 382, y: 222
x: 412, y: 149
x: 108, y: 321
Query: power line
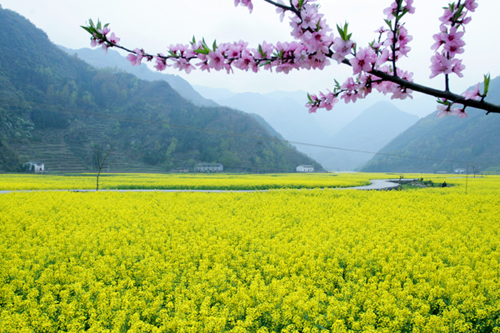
x: 378, y: 153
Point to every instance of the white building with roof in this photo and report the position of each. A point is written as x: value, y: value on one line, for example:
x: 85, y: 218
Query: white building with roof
x: 33, y: 166
x: 305, y: 168
x: 209, y: 167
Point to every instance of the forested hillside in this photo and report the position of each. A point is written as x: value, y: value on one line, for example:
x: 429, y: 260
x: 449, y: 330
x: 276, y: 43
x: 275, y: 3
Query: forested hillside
x: 113, y: 59
x: 444, y: 144
x: 58, y: 110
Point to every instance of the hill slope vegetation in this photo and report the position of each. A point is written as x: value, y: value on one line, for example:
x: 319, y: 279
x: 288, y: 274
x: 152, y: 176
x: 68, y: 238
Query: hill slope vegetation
x: 98, y: 59
x: 444, y: 144
x: 58, y: 110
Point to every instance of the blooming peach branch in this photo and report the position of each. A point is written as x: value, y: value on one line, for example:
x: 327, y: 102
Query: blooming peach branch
x: 374, y: 67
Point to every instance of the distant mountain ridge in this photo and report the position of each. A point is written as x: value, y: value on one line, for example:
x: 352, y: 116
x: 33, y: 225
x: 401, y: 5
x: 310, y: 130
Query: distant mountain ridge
x: 370, y: 131
x: 262, y: 104
x: 444, y: 144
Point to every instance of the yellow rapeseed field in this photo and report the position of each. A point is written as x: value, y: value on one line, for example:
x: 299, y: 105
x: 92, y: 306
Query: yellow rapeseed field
x: 186, y: 181
x: 279, y: 261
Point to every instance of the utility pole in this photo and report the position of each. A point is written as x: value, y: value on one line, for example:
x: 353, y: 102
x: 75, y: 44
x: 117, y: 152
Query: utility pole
x: 467, y: 178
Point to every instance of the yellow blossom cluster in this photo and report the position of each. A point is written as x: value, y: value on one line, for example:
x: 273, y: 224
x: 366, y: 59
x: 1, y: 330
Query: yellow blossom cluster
x: 278, y: 261
x: 186, y: 181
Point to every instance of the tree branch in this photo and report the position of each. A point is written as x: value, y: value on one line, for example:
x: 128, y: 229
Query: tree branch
x: 394, y: 40
x: 284, y: 58
x: 455, y: 98
x: 490, y: 108
x: 281, y: 6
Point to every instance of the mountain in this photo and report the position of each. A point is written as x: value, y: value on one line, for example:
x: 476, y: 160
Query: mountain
x: 287, y: 117
x: 98, y: 59
x: 58, y: 110
x: 214, y: 93
x: 421, y: 105
x: 329, y: 123
x: 268, y: 127
x: 342, y: 114
x: 370, y: 131
x: 445, y: 144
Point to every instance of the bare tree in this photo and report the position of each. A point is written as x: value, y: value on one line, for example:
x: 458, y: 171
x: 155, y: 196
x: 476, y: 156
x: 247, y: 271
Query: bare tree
x: 99, y: 156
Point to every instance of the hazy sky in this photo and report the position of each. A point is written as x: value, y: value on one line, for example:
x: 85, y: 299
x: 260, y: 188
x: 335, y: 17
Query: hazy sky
x: 155, y: 24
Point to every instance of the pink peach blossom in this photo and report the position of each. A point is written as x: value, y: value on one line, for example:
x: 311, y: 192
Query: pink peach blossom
x: 363, y: 61
x: 473, y: 93
x: 135, y: 59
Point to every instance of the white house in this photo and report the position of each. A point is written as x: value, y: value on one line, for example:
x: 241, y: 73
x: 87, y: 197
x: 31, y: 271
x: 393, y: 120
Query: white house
x: 35, y: 167
x: 460, y: 171
x: 305, y: 168
x: 209, y: 167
